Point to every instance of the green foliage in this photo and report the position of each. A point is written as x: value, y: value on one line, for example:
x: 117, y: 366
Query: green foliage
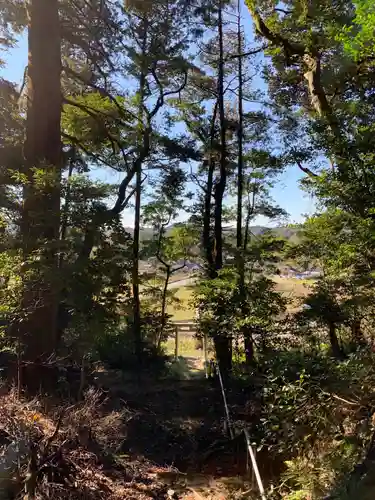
x: 339, y: 244
x: 115, y: 348
x: 141, y: 96
x: 359, y: 37
x: 99, y: 124
x: 10, y: 289
x: 316, y: 411
x: 320, y: 84
x: 225, y: 307
x: 96, y: 293
x: 215, y: 300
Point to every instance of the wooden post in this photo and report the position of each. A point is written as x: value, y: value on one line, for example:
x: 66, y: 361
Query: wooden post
x: 253, y: 478
x: 176, y: 344
x: 205, y: 354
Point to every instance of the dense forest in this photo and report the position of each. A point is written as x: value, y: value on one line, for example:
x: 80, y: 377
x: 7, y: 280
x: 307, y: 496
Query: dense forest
x: 186, y: 114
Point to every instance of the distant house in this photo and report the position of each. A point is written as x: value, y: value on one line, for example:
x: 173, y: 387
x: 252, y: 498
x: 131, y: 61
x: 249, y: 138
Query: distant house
x: 300, y: 275
x: 189, y: 266
x: 192, y: 266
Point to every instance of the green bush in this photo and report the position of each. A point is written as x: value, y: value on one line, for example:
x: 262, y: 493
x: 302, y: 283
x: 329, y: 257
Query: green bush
x: 117, y: 350
x: 317, y: 415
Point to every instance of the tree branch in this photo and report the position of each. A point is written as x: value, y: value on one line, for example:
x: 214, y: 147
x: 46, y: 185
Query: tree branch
x: 306, y: 170
x: 246, y: 54
x: 290, y: 48
x: 75, y: 141
x: 158, y: 252
x: 162, y: 95
x: 311, y: 60
x: 103, y: 92
x: 283, y: 11
x: 96, y: 115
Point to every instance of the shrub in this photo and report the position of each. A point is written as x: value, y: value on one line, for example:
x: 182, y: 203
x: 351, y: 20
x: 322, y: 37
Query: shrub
x: 117, y: 350
x: 317, y: 414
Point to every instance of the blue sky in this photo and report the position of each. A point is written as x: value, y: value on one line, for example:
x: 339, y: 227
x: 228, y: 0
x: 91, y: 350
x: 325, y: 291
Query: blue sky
x: 286, y: 193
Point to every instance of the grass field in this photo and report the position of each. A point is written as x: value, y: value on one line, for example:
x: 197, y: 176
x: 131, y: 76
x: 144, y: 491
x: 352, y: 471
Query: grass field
x: 292, y: 288
x: 187, y: 346
x: 185, y: 310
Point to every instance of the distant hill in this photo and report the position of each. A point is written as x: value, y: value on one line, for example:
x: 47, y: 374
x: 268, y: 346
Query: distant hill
x: 146, y: 233
x: 287, y: 232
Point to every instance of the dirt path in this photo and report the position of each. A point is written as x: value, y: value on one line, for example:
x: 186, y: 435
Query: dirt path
x: 178, y: 425
x: 178, y: 429
x: 188, y: 367
x: 174, y: 419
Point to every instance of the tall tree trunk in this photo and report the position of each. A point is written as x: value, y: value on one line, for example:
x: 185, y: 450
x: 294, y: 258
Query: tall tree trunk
x: 249, y: 346
x: 221, y: 184
x: 223, y: 342
x: 135, y: 271
x: 241, y: 244
x: 41, y: 204
x: 249, y: 215
x: 240, y: 164
x: 223, y: 350
x: 137, y: 328
x: 63, y: 314
x: 247, y: 231
x: 168, y: 273
x: 164, y: 305
x: 248, y: 340
x: 207, y: 237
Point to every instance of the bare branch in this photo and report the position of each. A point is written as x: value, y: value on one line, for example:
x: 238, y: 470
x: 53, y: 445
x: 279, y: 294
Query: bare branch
x: 76, y: 142
x: 310, y: 57
x: 246, y: 54
x: 283, y: 11
x: 160, y: 239
x: 306, y: 170
x: 162, y: 95
x: 196, y: 180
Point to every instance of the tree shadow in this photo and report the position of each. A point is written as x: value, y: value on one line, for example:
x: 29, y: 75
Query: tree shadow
x: 173, y: 442
x: 355, y: 485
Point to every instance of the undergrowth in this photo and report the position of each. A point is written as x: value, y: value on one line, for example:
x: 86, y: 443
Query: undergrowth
x: 68, y: 451
x: 317, y: 414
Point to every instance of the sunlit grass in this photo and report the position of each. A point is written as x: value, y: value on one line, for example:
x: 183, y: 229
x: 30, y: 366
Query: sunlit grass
x: 185, y: 309
x: 293, y: 289
x: 187, y: 347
